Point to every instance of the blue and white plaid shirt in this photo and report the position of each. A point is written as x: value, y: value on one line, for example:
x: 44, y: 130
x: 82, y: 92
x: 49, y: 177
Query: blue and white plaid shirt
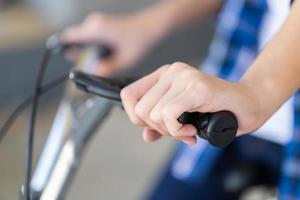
x: 234, y: 47
x: 290, y: 180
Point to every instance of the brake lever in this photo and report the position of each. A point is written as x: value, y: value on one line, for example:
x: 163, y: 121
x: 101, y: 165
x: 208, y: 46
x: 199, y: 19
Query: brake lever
x: 218, y: 128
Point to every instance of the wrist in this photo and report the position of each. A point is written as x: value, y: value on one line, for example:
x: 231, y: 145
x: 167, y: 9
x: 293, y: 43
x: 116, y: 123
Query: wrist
x: 261, y: 95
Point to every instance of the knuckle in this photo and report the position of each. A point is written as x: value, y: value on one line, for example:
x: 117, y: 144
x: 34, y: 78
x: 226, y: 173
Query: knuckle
x: 140, y: 111
x: 177, y: 68
x: 125, y: 93
x: 163, y: 69
x: 198, y: 87
x: 136, y: 121
x: 201, y: 92
x: 155, y: 117
x: 187, y: 73
x: 178, y: 64
x: 165, y: 113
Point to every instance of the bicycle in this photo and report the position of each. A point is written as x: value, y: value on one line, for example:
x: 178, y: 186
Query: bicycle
x: 69, y: 137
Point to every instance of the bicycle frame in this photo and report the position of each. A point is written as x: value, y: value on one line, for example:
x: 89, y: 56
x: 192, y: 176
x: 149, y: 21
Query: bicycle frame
x: 76, y: 121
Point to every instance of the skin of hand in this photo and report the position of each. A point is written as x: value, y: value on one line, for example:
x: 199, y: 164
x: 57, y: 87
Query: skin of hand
x: 131, y: 36
x: 156, y: 101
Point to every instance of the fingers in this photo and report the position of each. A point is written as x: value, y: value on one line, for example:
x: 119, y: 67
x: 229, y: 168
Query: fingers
x: 110, y: 65
x: 148, y: 101
x: 86, y: 32
x: 76, y: 34
x: 190, y: 140
x: 131, y: 94
x: 123, y: 34
x: 90, y: 32
x: 72, y: 35
x: 105, y: 67
x: 172, y: 111
x: 157, y: 101
x: 156, y: 114
x: 72, y: 54
x: 160, y: 92
x: 150, y: 135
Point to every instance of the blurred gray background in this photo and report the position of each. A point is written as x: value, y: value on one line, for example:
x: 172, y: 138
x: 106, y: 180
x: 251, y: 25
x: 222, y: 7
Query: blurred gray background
x: 118, y: 164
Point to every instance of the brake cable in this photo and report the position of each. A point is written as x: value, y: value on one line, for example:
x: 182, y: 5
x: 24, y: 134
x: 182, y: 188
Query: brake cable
x: 53, y: 46
x: 26, y: 102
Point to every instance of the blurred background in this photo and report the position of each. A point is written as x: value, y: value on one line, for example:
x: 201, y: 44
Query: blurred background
x: 117, y: 164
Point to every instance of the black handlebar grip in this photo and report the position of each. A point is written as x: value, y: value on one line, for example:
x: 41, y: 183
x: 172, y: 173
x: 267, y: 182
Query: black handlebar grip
x: 218, y: 128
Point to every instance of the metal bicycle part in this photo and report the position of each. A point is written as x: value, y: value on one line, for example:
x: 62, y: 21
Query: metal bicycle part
x: 78, y: 116
x: 68, y: 138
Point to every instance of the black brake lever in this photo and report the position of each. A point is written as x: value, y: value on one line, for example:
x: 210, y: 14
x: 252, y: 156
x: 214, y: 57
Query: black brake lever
x: 218, y: 128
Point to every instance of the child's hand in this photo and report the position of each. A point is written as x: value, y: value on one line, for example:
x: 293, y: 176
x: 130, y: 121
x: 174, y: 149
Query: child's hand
x: 157, y: 100
x: 130, y: 37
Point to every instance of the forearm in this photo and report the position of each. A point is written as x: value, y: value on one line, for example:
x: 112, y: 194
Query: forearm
x: 275, y: 75
x: 170, y: 15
